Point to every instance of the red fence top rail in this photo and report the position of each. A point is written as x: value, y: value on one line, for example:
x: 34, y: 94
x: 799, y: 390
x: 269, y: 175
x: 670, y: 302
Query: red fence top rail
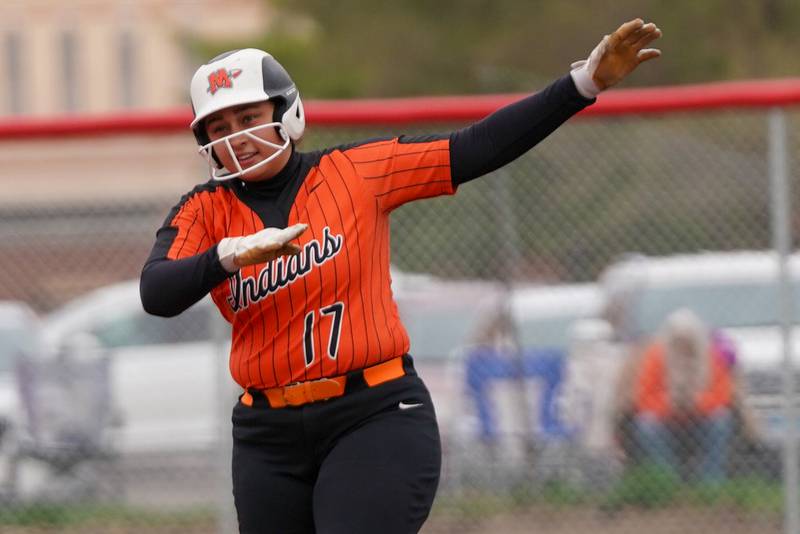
x: 395, y: 111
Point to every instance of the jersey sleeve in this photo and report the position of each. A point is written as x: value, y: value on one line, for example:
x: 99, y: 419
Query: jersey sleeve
x: 404, y: 168
x: 183, y: 265
x: 185, y: 234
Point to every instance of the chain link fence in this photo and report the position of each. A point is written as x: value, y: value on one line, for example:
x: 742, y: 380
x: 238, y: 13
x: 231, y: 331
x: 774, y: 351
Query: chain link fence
x: 540, y: 303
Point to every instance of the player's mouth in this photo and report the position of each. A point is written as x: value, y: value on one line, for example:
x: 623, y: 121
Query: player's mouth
x: 247, y: 158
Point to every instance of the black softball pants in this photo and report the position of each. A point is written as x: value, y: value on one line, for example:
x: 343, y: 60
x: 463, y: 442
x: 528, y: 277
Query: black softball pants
x: 364, y: 463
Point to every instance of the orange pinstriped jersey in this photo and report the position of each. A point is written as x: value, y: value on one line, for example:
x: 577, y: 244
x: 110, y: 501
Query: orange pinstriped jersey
x: 329, y: 309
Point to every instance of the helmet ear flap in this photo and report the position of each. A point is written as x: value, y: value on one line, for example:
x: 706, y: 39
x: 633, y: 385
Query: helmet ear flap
x: 293, y: 118
x: 280, y: 88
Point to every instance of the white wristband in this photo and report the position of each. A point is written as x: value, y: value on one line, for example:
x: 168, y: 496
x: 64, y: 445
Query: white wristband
x: 583, y: 82
x: 226, y: 250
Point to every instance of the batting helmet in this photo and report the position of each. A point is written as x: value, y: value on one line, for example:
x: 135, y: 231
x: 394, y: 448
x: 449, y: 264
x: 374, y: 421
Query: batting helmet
x: 244, y: 77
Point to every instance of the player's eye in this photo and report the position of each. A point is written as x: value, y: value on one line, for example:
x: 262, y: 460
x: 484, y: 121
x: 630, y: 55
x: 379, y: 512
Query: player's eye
x: 250, y: 118
x: 217, y: 130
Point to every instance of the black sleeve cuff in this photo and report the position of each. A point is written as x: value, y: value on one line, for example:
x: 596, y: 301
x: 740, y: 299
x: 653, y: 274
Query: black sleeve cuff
x: 168, y: 287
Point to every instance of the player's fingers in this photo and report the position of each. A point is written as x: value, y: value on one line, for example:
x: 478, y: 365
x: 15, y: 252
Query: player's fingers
x: 648, y: 38
x: 624, y: 31
x: 642, y: 33
x: 292, y: 232
x: 251, y: 257
x: 298, y: 228
x: 648, y: 54
x: 637, y: 34
x: 267, y: 247
x: 266, y: 254
x: 289, y: 249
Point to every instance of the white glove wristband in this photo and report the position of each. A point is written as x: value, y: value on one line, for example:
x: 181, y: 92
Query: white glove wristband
x: 226, y: 250
x: 583, y: 81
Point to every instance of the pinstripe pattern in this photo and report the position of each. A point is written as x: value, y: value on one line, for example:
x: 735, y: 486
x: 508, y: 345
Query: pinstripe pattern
x: 342, y: 276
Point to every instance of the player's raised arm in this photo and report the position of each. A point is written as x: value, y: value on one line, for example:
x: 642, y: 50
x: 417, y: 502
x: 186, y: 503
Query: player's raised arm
x: 511, y: 131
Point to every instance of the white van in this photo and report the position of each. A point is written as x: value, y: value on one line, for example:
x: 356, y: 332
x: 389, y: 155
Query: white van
x: 19, y: 331
x: 166, y: 375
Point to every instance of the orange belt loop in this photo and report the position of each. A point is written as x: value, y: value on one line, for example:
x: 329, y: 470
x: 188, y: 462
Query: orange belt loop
x: 275, y: 398
x: 383, y: 372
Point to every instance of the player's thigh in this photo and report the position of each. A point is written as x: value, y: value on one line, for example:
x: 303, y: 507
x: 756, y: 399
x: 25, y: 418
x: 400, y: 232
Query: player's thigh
x: 382, y: 476
x: 269, y: 499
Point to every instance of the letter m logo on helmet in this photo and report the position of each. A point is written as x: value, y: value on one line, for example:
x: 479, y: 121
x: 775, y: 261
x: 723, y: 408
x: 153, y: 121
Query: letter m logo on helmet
x: 221, y: 78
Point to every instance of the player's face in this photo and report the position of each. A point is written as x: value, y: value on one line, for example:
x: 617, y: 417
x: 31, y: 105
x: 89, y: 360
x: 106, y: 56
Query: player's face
x: 247, y: 151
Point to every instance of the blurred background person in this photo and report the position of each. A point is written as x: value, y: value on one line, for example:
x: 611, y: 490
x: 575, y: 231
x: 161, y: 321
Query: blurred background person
x: 491, y: 356
x: 683, y: 398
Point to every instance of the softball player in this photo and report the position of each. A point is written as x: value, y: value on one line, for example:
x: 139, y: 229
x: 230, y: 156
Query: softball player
x: 334, y: 432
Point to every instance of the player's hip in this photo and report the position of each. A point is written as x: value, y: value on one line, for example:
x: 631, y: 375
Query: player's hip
x: 394, y: 390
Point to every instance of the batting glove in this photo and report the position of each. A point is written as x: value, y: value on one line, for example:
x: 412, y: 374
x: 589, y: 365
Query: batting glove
x: 261, y: 247
x: 616, y: 56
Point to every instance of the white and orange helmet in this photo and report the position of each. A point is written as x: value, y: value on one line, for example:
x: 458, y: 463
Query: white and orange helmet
x: 244, y: 77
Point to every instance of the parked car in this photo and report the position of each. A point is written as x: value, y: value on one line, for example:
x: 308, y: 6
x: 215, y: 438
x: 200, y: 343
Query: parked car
x: 444, y: 316
x: 441, y: 316
x: 19, y: 338
x: 166, y: 375
x: 553, y: 315
x: 19, y: 335
x: 734, y: 292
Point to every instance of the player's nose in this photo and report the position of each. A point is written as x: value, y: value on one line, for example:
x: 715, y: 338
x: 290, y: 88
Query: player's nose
x: 239, y: 141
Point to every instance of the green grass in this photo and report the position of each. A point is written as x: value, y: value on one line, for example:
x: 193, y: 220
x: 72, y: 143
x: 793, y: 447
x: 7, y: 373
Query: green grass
x: 62, y: 515
x: 647, y: 487
x: 750, y: 494
x: 652, y: 486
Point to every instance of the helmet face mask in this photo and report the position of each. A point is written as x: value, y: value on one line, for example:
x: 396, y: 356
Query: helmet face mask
x: 218, y: 172
x: 245, y: 77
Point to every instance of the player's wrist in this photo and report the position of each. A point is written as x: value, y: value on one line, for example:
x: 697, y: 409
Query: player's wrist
x: 226, y: 250
x: 584, y: 83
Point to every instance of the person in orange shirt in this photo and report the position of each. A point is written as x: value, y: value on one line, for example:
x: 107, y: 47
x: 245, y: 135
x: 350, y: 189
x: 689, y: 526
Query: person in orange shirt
x: 684, y: 396
x: 334, y: 431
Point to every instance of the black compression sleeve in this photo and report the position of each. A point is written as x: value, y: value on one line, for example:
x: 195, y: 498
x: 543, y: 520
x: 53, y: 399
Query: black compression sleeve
x: 168, y: 287
x: 511, y: 131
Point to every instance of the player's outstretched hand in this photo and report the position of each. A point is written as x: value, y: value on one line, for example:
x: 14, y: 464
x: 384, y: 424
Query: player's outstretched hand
x: 261, y: 247
x: 618, y: 54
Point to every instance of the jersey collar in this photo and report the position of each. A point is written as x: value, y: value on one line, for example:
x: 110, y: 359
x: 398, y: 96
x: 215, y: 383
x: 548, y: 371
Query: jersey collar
x: 274, y: 186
